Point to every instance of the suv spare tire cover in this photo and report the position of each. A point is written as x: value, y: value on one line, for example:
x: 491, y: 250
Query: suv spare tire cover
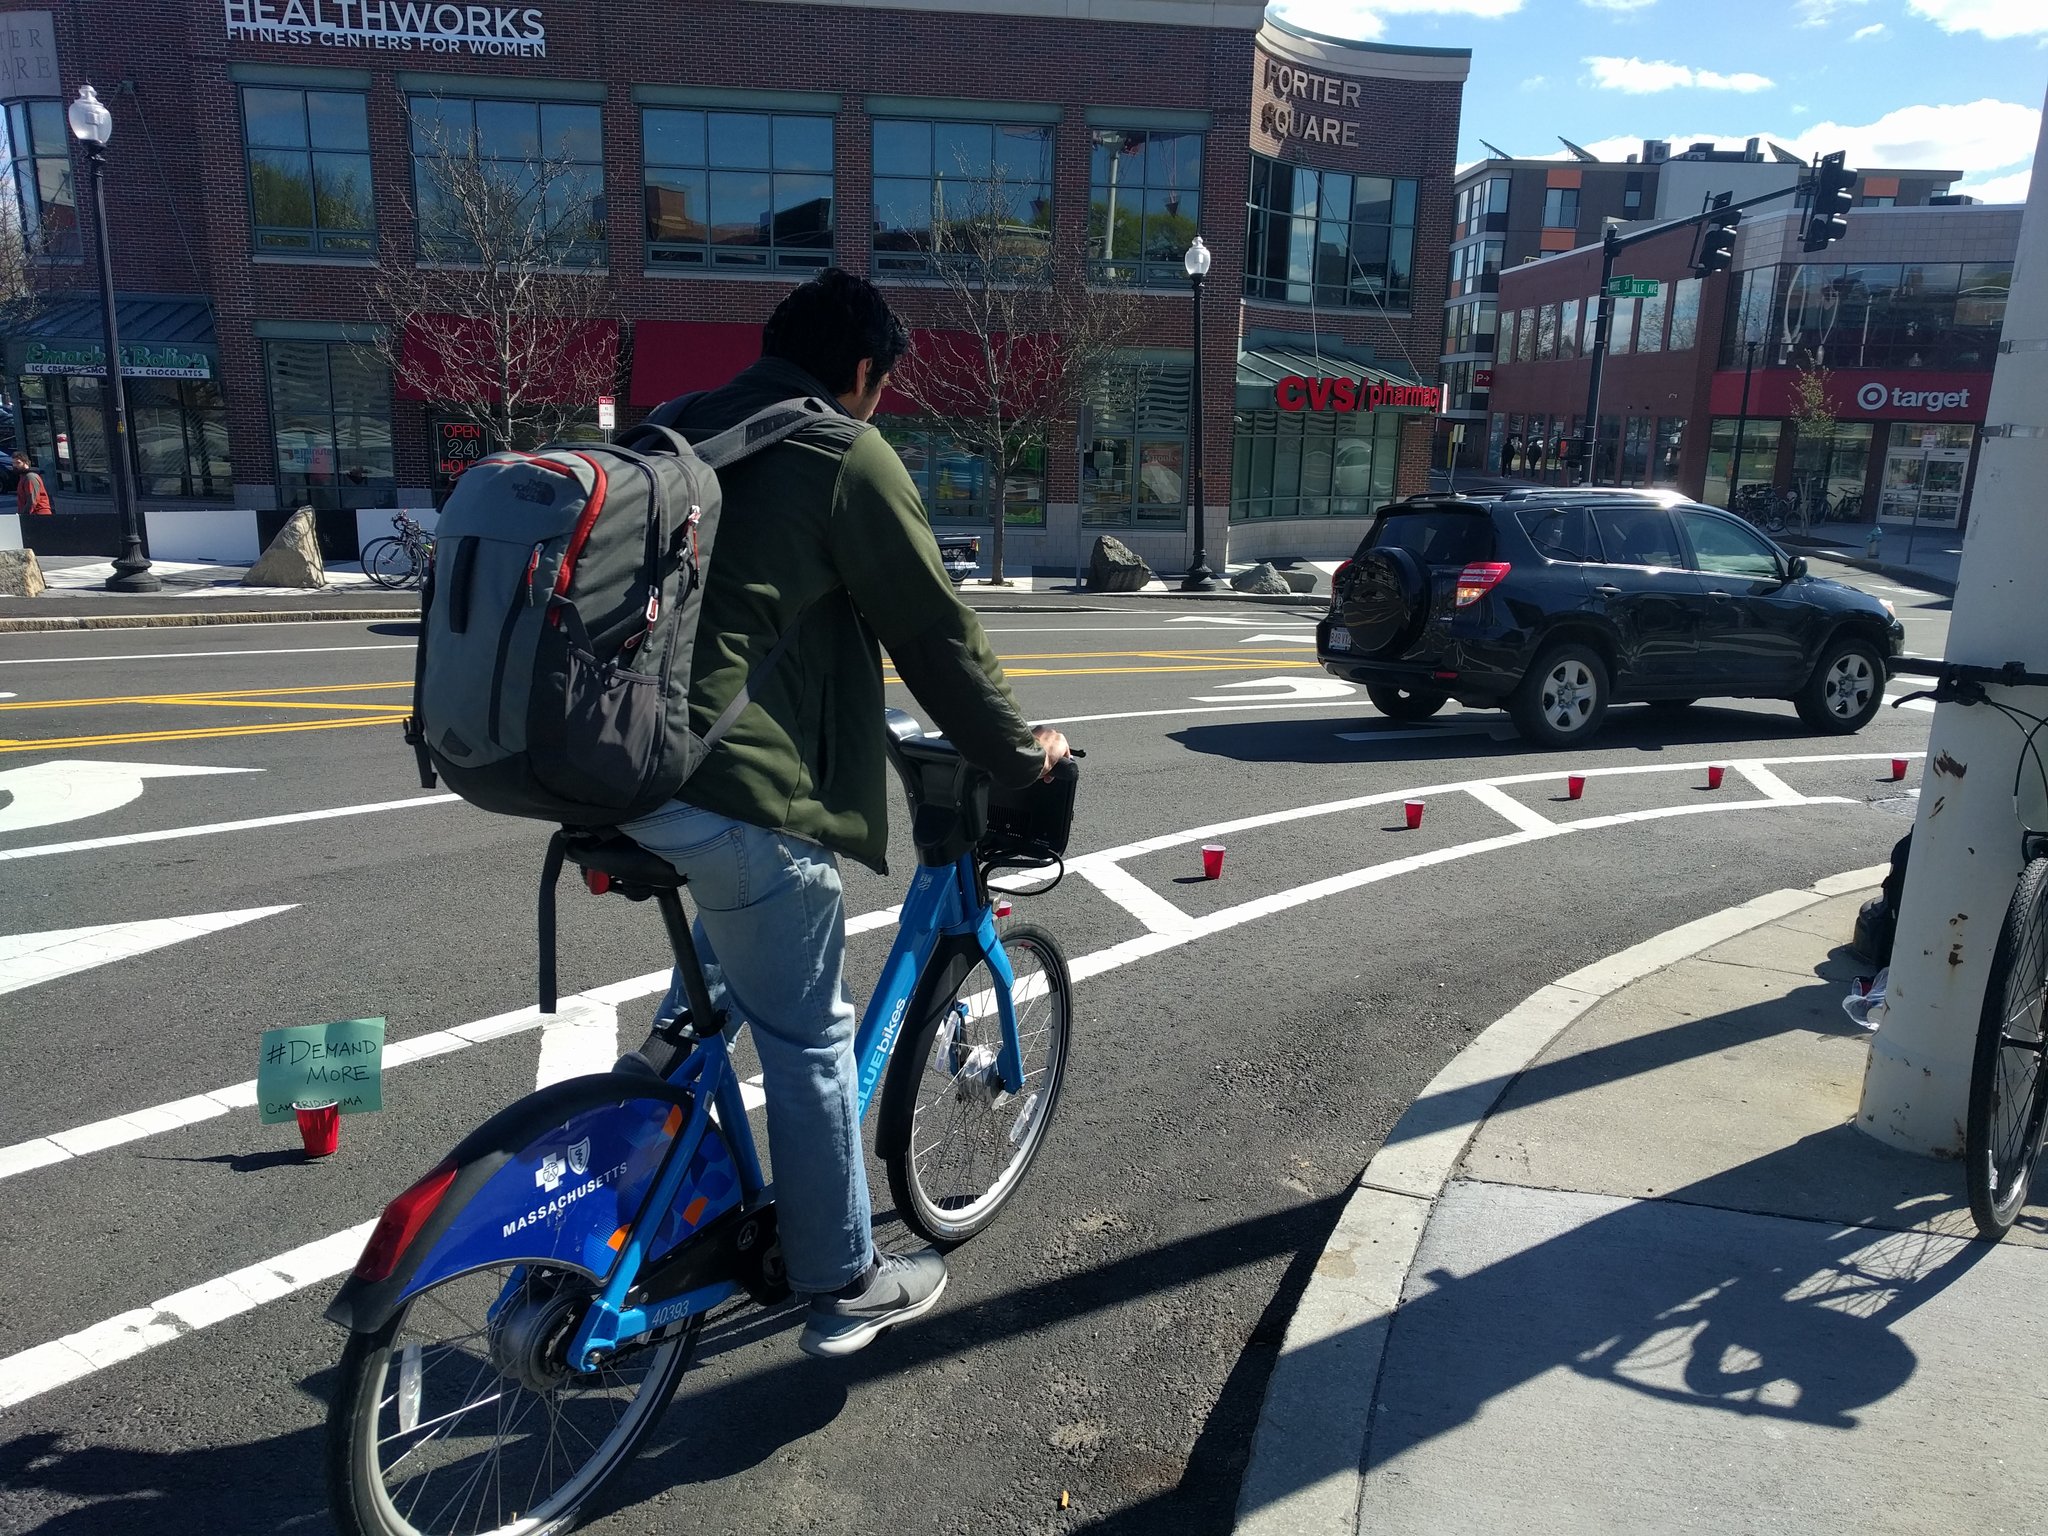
x: 1387, y: 602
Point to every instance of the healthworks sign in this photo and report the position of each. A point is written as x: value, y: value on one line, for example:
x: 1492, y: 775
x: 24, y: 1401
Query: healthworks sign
x: 396, y: 26
x: 1296, y: 393
x: 1859, y: 395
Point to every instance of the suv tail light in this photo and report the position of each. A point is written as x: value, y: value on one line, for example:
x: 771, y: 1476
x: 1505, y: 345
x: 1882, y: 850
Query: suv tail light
x: 1480, y: 578
x: 401, y: 1223
x: 1337, y: 577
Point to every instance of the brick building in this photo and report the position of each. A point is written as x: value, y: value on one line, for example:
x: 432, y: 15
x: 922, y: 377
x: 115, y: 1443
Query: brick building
x: 1898, y: 322
x: 267, y: 157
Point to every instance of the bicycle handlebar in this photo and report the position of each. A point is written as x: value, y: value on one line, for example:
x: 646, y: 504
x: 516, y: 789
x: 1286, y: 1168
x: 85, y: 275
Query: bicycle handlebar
x: 1959, y: 682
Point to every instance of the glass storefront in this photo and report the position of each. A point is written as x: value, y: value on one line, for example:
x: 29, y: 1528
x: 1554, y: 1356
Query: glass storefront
x: 1829, y: 473
x: 955, y: 483
x: 1925, y: 466
x: 1944, y: 315
x: 1312, y: 464
x: 1759, y: 456
x: 179, y: 426
x: 1133, y: 462
x: 330, y: 408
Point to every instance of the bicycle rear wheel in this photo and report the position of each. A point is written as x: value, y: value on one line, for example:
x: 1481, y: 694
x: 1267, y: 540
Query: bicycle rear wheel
x: 460, y: 1418
x: 2009, y: 1081
x: 392, y: 563
x: 957, y: 1145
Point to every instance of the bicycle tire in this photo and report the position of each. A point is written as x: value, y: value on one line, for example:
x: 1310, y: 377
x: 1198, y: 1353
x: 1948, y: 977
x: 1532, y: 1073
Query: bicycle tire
x: 371, y: 553
x: 2004, y: 1138
x: 363, y: 1505
x: 942, y: 1207
x: 395, y: 563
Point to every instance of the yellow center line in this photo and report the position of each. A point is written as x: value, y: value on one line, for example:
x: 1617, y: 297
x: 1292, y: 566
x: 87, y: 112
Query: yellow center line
x: 135, y: 738
x: 190, y: 697
x: 260, y: 704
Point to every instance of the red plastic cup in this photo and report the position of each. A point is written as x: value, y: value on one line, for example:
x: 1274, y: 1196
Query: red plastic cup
x: 1212, y: 860
x: 1575, y: 785
x: 1714, y: 776
x: 1413, y: 808
x: 319, y: 1128
x: 1898, y: 769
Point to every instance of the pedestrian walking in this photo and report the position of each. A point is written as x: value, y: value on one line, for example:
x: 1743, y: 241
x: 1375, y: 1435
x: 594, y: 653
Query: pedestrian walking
x: 1508, y: 451
x: 31, y: 496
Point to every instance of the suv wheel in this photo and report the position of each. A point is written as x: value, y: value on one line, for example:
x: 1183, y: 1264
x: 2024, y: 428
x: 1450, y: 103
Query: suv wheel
x: 1404, y: 703
x: 1564, y: 698
x: 1846, y: 689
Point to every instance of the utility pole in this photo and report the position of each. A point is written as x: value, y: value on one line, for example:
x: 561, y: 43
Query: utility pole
x: 1966, y: 837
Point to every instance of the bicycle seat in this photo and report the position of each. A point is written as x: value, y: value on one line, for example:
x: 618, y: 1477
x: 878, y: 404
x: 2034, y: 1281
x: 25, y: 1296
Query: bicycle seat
x: 613, y: 853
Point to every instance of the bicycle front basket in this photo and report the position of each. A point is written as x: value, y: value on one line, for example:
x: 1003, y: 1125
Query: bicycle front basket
x: 1037, y: 819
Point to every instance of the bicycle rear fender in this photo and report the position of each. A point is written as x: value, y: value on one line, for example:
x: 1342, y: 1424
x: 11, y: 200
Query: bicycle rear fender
x: 549, y: 1180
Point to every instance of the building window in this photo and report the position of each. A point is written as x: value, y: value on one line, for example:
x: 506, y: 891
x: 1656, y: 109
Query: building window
x: 1667, y: 450
x: 39, y: 157
x: 1324, y: 237
x: 1312, y: 464
x: 1621, y: 327
x: 1144, y: 205
x: 737, y: 189
x: 1685, y: 314
x: 1650, y: 323
x: 330, y: 412
x: 1937, y: 315
x: 1759, y: 464
x: 1546, y: 333
x: 1568, y: 330
x: 1132, y: 468
x: 309, y: 171
x: 933, y: 175
x: 531, y: 169
x: 954, y: 481
x: 179, y: 430
x: 1525, y: 338
x: 1878, y: 202
x: 1561, y: 208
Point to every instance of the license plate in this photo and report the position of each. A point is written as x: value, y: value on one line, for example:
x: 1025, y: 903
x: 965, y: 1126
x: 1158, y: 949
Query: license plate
x: 1340, y: 639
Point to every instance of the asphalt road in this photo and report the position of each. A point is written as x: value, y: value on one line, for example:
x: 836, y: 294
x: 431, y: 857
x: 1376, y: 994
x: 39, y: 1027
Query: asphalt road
x: 1109, y: 1338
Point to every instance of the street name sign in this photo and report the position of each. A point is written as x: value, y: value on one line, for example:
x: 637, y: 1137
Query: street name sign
x: 1633, y: 287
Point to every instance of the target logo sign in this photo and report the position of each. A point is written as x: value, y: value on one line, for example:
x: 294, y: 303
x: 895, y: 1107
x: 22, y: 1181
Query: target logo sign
x: 1871, y: 396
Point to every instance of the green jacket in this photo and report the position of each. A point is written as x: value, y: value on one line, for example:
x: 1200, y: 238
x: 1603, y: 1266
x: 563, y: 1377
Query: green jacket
x: 826, y: 531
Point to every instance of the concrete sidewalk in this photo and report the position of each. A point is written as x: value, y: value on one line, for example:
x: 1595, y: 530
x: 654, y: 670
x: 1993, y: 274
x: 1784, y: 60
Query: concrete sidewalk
x: 1931, y: 560
x: 1628, y: 1266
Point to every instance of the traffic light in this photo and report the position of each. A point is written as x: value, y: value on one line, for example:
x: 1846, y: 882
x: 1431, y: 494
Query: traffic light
x: 1834, y: 190
x: 1717, y: 245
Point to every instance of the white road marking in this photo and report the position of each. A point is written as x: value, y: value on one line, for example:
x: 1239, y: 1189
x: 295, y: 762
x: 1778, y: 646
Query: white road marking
x: 1772, y: 786
x: 1285, y: 688
x: 41, y: 1368
x: 580, y: 1039
x: 80, y: 1141
x: 1240, y: 623
x: 1092, y: 629
x: 1497, y: 799
x: 72, y: 789
x: 1135, y: 897
x: 291, y: 650
x: 254, y: 823
x: 29, y: 959
x: 1307, y: 639
x: 1150, y: 714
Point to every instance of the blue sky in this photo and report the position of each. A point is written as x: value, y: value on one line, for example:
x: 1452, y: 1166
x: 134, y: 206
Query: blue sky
x: 1951, y: 83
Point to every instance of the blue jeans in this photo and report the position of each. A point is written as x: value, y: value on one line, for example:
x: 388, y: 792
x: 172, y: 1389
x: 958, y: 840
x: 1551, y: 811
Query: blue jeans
x: 771, y: 931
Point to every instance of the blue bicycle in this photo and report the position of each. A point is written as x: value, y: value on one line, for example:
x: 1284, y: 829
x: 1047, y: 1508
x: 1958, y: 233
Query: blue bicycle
x: 522, y: 1315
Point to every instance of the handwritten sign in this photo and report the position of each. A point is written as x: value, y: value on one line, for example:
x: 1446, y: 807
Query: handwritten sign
x: 321, y: 1063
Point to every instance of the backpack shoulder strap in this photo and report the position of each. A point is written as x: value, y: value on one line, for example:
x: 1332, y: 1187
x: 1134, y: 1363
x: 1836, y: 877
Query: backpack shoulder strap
x: 771, y: 425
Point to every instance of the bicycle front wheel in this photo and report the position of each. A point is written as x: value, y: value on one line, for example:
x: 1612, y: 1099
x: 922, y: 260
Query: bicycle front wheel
x: 391, y: 563
x: 2007, y: 1098
x: 956, y: 1142
x: 460, y: 1418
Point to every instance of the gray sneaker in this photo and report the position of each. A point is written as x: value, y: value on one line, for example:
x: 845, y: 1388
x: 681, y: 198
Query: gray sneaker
x: 904, y: 1286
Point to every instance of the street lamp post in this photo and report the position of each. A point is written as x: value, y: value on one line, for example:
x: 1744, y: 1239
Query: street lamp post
x: 1199, y: 577
x: 92, y: 125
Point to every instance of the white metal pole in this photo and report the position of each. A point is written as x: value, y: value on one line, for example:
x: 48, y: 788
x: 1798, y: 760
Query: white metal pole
x: 1966, y: 837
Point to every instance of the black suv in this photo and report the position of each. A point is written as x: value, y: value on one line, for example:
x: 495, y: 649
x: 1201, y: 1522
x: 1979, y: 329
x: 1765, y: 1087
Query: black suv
x: 1555, y: 603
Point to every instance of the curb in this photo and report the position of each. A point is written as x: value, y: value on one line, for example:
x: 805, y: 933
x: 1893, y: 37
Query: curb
x: 1906, y: 575
x: 1317, y: 1417
x: 14, y: 626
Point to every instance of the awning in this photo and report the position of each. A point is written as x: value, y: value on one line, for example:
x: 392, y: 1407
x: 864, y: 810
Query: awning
x: 951, y: 373
x: 1289, y: 379
x: 674, y: 357
x: 161, y: 338
x: 454, y: 357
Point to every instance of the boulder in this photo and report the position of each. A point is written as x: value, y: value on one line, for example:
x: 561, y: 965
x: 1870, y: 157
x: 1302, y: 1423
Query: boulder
x: 1261, y: 580
x: 1116, y: 567
x: 21, y: 575
x: 293, y: 558
x: 1299, y: 581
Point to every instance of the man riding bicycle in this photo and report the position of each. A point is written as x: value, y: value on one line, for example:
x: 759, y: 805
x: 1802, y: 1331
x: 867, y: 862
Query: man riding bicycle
x: 824, y: 533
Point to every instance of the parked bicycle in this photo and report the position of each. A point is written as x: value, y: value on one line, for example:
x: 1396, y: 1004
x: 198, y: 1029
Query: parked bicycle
x: 2009, y: 1074
x: 1764, y: 505
x: 521, y: 1316
x: 400, y: 559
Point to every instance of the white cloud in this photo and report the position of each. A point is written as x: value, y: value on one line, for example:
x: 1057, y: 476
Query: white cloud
x: 1640, y: 77
x: 1361, y: 19
x: 1818, y: 13
x: 1535, y: 82
x: 1618, y: 5
x: 2000, y: 189
x: 1993, y: 18
x: 1875, y: 29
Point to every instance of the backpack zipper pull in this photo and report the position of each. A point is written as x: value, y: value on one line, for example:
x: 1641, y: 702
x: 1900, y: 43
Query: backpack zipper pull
x: 532, y: 567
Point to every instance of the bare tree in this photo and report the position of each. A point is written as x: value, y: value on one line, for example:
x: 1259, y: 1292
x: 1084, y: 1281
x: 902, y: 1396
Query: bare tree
x: 1017, y: 340
x: 1813, y: 415
x: 499, y: 318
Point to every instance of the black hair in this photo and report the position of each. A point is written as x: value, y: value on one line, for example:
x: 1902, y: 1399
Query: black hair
x: 829, y: 324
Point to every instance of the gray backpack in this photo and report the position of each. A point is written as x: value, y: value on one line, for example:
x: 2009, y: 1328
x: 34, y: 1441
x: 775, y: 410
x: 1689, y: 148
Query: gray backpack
x: 559, y: 622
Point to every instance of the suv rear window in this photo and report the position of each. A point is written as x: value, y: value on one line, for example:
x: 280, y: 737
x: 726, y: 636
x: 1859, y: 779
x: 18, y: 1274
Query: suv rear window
x: 1436, y: 537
